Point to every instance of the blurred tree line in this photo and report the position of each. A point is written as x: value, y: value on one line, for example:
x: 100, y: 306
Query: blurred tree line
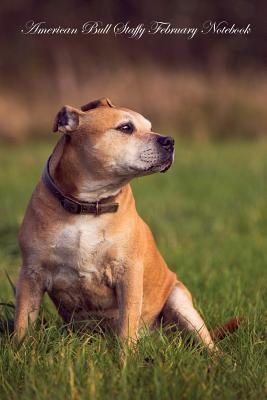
x: 228, y: 52
x: 53, y: 69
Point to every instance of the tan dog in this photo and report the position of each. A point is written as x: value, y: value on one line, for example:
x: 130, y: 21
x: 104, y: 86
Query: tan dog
x: 82, y: 240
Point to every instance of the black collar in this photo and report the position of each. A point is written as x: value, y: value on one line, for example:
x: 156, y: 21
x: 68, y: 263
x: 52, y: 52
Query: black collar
x: 74, y: 206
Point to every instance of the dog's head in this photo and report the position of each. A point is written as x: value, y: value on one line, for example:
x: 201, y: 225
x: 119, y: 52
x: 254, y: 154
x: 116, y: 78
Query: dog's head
x: 115, y: 141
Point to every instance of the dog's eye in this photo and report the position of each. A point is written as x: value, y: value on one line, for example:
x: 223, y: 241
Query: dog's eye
x: 126, y: 128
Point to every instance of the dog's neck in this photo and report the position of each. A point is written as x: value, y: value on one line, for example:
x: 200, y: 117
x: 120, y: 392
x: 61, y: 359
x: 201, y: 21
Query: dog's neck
x: 74, y: 180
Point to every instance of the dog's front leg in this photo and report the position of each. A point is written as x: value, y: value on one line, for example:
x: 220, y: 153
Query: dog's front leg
x: 29, y: 294
x: 130, y: 297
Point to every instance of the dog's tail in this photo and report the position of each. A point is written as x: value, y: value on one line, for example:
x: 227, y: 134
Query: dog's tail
x: 229, y: 327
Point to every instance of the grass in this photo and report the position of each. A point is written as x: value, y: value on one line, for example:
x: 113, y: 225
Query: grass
x: 209, y: 217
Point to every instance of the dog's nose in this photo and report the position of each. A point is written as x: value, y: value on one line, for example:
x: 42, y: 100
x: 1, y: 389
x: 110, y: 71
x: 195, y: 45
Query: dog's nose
x: 166, y: 141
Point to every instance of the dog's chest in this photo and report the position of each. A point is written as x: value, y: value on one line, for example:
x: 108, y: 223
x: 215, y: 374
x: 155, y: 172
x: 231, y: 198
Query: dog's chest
x: 83, y: 270
x: 82, y: 245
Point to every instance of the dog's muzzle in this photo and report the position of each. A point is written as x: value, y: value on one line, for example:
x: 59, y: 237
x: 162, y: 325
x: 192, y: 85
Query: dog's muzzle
x: 166, y: 144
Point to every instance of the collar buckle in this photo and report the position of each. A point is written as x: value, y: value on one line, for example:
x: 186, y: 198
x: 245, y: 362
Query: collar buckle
x: 97, y: 208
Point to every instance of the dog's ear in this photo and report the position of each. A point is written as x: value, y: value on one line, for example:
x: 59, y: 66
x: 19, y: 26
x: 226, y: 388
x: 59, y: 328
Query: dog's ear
x: 67, y: 120
x: 104, y: 102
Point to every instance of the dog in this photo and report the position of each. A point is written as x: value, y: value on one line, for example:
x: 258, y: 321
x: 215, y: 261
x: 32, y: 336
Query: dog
x: 82, y: 240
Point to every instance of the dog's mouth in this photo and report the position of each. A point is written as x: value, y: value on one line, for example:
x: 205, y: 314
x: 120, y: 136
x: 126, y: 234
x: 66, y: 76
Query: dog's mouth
x: 162, y: 166
x: 152, y: 164
x: 168, y: 166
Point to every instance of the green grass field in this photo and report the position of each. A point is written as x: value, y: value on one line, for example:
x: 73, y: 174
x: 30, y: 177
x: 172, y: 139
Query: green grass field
x: 209, y: 217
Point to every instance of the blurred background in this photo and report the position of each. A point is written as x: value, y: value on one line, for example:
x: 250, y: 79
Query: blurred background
x: 212, y: 86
